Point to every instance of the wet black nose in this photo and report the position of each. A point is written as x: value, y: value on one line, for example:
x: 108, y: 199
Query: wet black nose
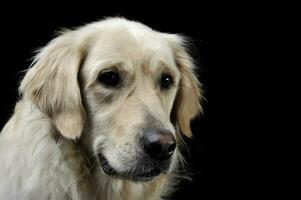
x: 158, y: 144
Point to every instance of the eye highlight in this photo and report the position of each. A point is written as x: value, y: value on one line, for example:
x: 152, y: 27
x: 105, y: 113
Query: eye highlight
x: 110, y: 78
x: 166, y: 81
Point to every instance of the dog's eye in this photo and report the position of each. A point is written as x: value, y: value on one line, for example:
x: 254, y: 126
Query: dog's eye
x: 166, y: 81
x: 110, y: 78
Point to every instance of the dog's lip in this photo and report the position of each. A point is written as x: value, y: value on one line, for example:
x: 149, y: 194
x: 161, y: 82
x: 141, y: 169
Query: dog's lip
x: 150, y: 173
x: 109, y: 170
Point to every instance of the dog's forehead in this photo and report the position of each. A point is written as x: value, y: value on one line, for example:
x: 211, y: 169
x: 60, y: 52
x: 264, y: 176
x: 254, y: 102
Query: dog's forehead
x: 135, y: 43
x: 131, y: 44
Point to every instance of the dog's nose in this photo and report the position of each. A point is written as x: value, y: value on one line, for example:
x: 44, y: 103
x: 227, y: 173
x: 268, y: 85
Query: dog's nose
x: 158, y: 144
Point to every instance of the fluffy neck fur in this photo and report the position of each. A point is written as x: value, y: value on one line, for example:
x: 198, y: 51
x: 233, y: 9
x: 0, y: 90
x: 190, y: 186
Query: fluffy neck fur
x: 35, y: 164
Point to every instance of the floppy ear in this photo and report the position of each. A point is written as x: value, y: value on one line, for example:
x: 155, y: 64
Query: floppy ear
x: 187, y: 103
x: 51, y: 84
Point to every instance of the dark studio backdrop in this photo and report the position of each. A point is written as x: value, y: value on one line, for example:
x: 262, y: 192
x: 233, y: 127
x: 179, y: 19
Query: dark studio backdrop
x: 218, y: 161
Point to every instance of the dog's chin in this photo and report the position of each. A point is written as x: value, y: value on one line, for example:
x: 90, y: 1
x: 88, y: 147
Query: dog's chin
x: 139, y: 176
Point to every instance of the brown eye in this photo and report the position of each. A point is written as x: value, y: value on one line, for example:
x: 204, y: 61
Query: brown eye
x: 110, y: 78
x: 166, y: 81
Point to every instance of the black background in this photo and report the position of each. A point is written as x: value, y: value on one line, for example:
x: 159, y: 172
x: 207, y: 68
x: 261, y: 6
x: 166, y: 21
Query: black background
x: 228, y: 48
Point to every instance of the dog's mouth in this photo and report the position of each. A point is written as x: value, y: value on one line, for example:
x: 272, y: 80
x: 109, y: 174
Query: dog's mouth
x: 145, y: 175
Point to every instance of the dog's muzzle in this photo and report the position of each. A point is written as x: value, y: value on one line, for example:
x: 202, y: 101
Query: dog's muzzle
x: 157, y: 148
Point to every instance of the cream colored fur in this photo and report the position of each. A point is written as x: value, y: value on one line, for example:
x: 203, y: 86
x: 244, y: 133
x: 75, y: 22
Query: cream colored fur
x: 48, y: 147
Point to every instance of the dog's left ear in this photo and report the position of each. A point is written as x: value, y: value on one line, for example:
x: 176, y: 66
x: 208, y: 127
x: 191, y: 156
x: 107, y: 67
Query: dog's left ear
x: 187, y: 103
x: 52, y: 85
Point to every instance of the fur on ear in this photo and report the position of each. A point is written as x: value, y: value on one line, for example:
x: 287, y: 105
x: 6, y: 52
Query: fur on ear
x: 52, y: 84
x: 187, y: 103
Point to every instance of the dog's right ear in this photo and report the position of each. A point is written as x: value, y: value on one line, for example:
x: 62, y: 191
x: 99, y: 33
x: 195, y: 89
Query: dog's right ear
x: 187, y: 104
x: 52, y: 85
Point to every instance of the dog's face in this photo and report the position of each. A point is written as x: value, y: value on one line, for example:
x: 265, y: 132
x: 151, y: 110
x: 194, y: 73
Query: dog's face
x: 125, y: 89
x: 130, y: 84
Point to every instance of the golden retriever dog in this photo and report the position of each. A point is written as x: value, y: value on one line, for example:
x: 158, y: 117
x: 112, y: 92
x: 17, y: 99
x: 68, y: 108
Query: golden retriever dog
x: 100, y: 116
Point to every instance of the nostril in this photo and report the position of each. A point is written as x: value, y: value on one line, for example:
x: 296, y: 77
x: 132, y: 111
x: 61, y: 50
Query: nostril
x: 159, y: 145
x: 170, y: 145
x: 171, y: 148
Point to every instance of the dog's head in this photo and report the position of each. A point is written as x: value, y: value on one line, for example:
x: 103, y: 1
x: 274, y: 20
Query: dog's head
x: 126, y: 90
